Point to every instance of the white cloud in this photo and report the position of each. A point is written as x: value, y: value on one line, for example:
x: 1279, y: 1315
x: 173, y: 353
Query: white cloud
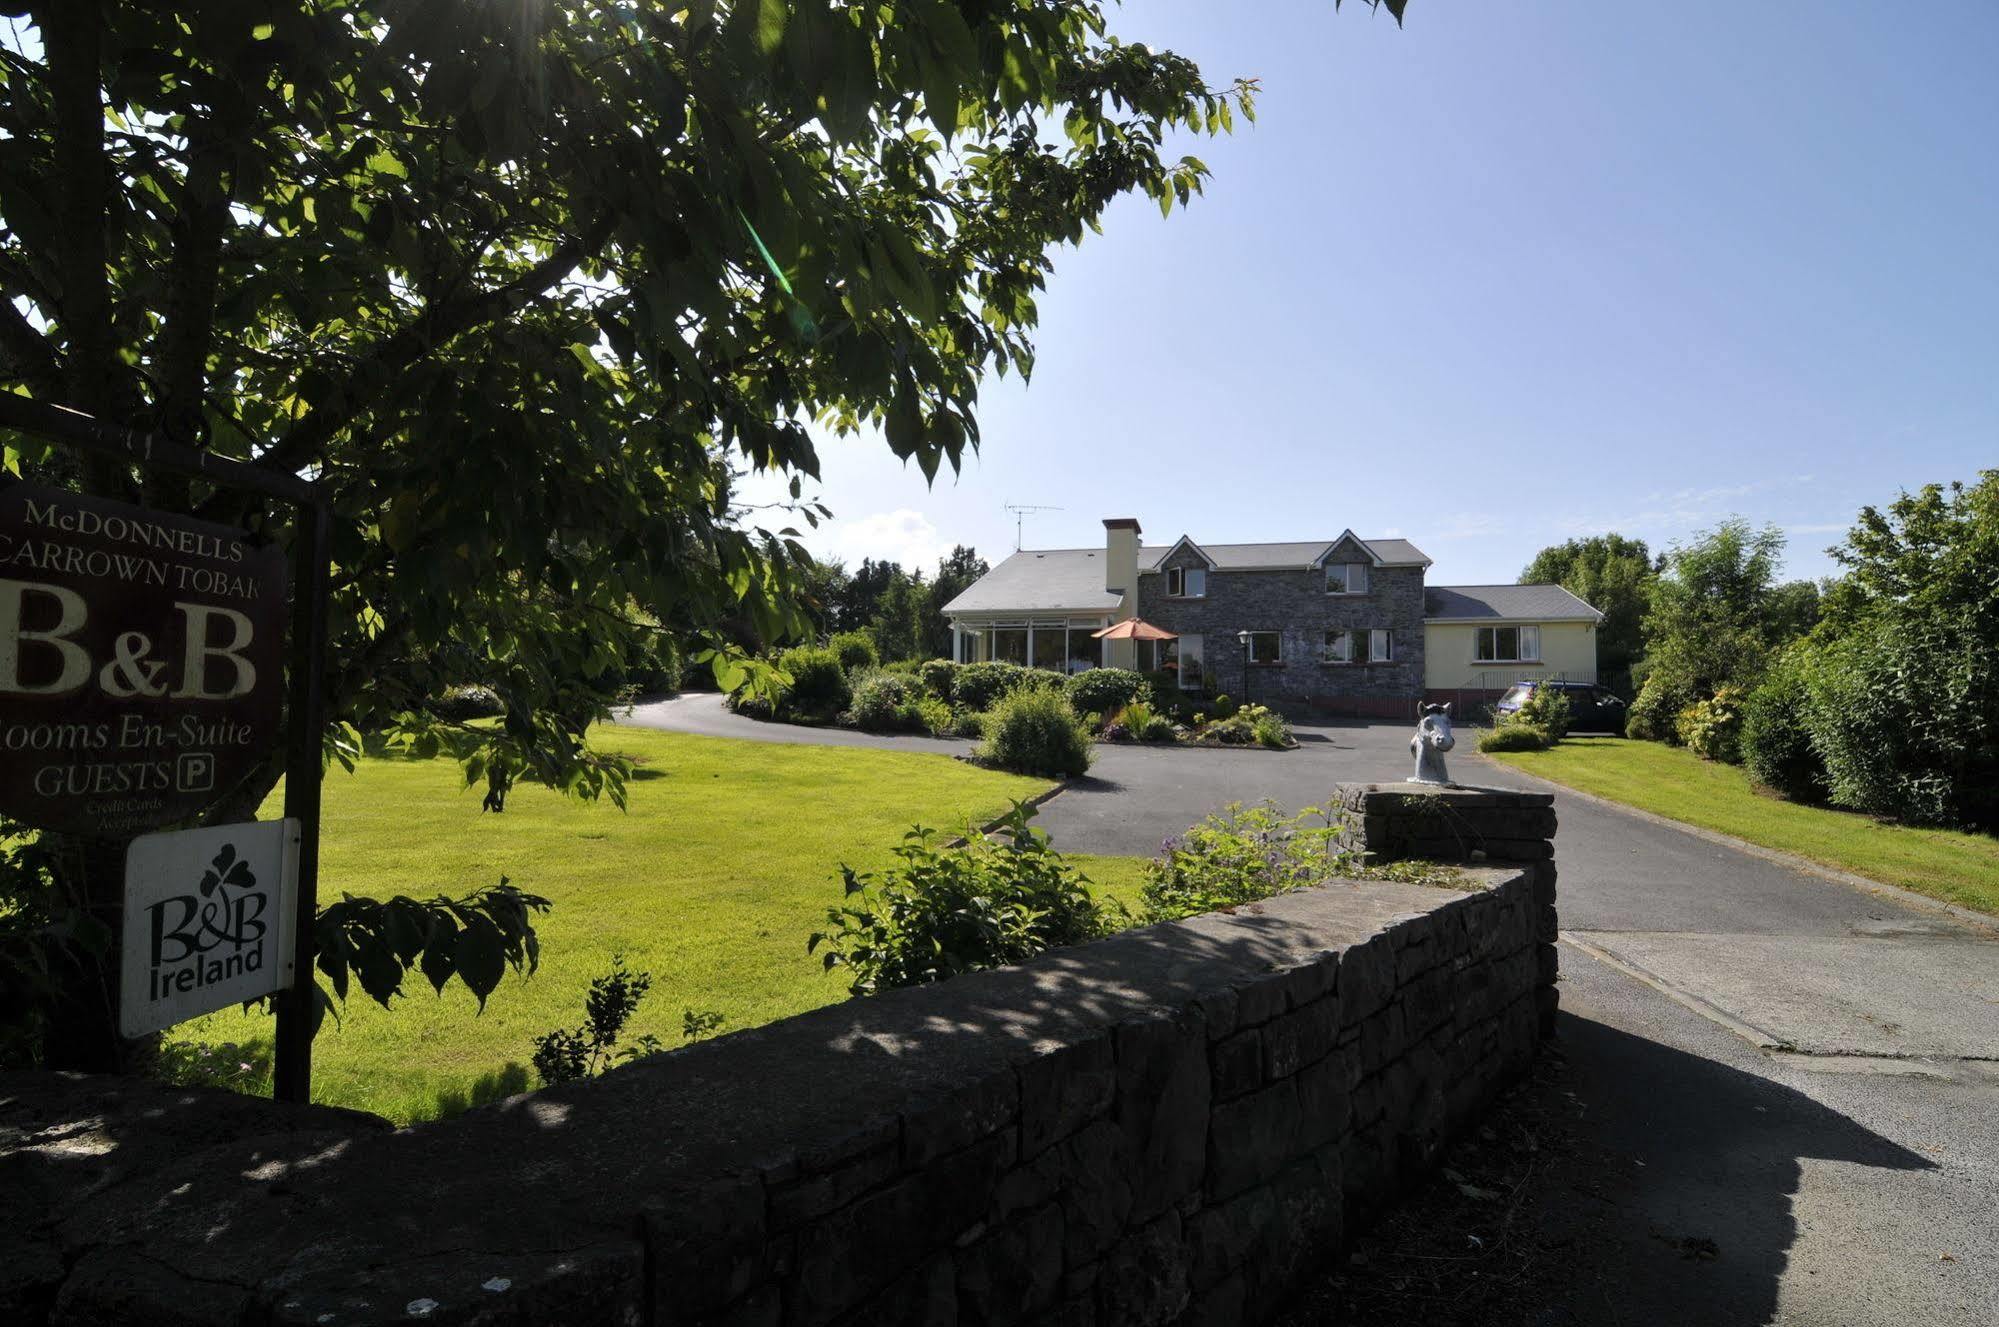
x: 903, y: 535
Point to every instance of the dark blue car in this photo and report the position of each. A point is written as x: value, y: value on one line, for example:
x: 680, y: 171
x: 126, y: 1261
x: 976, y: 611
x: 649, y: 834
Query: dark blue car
x: 1592, y: 709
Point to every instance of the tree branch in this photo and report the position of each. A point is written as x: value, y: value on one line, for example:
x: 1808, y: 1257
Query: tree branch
x: 26, y: 355
x: 306, y: 441
x: 72, y: 36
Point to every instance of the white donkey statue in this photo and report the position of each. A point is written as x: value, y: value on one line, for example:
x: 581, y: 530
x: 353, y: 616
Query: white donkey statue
x: 1433, y: 738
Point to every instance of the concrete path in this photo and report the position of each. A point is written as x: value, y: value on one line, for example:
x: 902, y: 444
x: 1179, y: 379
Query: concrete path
x: 1804, y: 1072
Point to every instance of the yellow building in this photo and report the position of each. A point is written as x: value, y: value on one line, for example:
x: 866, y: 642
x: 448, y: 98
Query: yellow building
x: 1478, y: 640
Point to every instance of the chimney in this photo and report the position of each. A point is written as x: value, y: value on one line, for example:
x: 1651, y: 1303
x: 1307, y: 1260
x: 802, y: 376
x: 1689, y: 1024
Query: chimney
x: 1121, y: 563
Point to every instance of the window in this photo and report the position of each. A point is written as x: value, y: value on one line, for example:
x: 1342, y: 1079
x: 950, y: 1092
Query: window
x: 1187, y: 582
x: 1050, y: 646
x: 1183, y: 656
x: 1010, y: 645
x: 1509, y: 645
x: 1265, y: 647
x: 1338, y: 648
x: 1346, y: 578
x: 1380, y: 645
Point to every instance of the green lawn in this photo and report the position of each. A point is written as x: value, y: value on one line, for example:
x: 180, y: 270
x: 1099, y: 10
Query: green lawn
x: 1673, y: 782
x: 712, y: 881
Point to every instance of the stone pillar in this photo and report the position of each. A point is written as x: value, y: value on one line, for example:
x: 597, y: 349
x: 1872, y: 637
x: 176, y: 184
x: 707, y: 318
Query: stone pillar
x: 1468, y: 826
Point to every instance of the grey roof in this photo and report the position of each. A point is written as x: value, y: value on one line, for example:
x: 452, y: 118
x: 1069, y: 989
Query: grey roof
x: 1238, y: 557
x: 1072, y: 579
x: 1513, y: 603
x: 1039, y: 580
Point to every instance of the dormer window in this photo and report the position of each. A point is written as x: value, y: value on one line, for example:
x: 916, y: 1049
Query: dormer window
x: 1346, y: 578
x: 1187, y: 582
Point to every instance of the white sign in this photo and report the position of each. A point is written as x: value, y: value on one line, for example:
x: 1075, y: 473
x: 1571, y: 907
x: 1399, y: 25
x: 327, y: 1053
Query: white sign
x: 209, y: 920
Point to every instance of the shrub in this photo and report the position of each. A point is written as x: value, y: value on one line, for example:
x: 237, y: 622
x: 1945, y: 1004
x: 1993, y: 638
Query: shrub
x: 1244, y: 726
x: 1036, y: 732
x: 908, y: 668
x: 968, y: 723
x: 1906, y: 716
x: 1158, y: 728
x: 1106, y: 690
x: 1000, y: 899
x: 1547, y: 708
x: 1776, y: 735
x: 1515, y: 736
x: 926, y: 714
x: 460, y: 703
x: 1128, y: 722
x: 883, y: 701
x: 855, y: 650
x: 1238, y: 855
x: 1654, y: 715
x: 939, y: 677
x: 653, y: 667
x: 567, y: 1054
x: 1712, y: 728
x: 818, y: 689
x: 1271, y: 730
x: 980, y: 685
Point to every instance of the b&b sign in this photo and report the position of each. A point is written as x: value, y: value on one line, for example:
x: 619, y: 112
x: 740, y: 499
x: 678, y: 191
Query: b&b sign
x: 208, y: 921
x: 141, y: 661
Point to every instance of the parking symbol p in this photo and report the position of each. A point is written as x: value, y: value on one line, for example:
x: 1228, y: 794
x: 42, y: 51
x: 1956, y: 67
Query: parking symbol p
x: 194, y: 772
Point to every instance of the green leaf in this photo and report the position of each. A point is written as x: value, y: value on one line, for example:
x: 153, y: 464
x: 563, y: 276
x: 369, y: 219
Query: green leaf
x: 263, y: 31
x: 771, y: 18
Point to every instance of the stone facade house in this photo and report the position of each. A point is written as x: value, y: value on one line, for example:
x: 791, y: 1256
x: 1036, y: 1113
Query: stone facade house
x: 1346, y: 625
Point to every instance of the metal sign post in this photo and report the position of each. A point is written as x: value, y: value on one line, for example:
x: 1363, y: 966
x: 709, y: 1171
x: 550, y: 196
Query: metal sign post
x: 305, y: 717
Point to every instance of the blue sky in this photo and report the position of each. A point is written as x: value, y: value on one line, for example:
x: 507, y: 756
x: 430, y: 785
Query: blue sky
x: 1517, y: 272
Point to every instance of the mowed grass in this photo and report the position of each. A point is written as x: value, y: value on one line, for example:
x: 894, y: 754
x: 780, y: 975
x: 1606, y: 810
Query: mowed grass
x: 1673, y: 782
x: 712, y: 881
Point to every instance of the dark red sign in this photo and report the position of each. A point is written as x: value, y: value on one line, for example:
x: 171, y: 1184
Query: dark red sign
x: 141, y: 662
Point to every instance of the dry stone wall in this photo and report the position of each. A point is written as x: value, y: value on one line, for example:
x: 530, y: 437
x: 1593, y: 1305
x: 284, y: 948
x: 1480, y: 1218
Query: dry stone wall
x: 1170, y: 1126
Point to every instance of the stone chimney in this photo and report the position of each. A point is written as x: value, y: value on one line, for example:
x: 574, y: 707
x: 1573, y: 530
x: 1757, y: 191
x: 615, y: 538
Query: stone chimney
x: 1121, y: 578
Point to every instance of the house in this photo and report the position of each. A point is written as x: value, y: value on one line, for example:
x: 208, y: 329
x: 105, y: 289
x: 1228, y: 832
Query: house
x: 1343, y: 624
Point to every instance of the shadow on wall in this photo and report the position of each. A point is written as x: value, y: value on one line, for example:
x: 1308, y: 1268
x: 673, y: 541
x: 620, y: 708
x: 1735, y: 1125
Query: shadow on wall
x: 118, y: 1195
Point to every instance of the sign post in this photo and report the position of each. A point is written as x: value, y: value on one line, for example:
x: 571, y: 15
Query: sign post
x: 142, y: 680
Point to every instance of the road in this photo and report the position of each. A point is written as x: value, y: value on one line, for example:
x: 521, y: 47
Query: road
x: 1803, y: 1072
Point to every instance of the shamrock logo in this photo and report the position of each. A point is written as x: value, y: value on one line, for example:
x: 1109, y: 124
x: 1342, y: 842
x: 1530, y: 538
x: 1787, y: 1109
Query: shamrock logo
x: 227, y: 869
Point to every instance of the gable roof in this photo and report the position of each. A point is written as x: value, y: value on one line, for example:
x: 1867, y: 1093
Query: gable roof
x: 1504, y: 603
x: 1040, y: 580
x: 1287, y: 556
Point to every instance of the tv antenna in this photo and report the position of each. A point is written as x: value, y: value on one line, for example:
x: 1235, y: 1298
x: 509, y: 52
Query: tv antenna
x: 1020, y: 510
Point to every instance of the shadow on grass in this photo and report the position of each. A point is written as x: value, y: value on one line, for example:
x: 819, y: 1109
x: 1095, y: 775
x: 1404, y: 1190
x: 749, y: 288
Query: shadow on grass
x: 510, y: 1080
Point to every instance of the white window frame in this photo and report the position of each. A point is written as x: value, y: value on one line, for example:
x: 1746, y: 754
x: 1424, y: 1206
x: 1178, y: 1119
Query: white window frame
x: 1526, y: 643
x: 1190, y: 643
x: 1380, y: 645
x: 1353, y: 577
x: 1278, y: 636
x: 1186, y: 582
x: 1344, y: 655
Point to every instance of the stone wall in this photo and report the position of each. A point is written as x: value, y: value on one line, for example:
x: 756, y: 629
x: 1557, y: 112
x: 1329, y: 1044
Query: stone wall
x: 1485, y: 826
x: 1173, y: 1125
x: 1295, y: 603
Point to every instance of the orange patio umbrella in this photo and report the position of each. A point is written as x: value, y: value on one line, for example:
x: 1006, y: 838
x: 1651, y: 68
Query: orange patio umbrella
x: 1135, y: 629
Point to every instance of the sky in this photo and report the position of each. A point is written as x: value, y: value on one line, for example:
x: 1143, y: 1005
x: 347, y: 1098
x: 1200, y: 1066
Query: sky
x: 1520, y: 271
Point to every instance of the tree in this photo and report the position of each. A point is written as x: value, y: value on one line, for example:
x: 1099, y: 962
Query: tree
x: 1903, y: 674
x: 1707, y: 622
x: 824, y: 589
x: 861, y: 599
x: 955, y: 574
x: 898, y: 622
x: 521, y: 283
x: 1612, y: 574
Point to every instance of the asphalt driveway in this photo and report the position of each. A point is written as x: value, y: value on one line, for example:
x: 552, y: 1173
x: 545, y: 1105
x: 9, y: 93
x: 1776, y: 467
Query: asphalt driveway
x: 1804, y: 1072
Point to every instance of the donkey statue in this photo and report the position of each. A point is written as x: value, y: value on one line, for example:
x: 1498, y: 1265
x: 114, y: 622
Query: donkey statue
x: 1433, y: 738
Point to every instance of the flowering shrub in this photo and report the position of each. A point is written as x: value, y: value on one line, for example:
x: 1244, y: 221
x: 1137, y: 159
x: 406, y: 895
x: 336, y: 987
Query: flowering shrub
x: 1243, y: 725
x: 1241, y: 854
x: 1712, y: 728
x: 1000, y: 899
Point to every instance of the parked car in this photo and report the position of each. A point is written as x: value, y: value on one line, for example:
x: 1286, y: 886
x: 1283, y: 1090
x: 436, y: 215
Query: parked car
x: 1592, y: 709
